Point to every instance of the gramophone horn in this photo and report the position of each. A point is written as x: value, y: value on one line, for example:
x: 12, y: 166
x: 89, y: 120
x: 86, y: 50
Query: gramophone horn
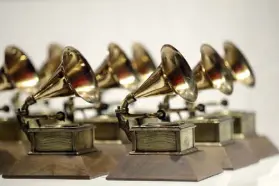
x: 74, y: 76
x: 19, y: 68
x: 172, y: 76
x: 238, y: 65
x: 142, y: 62
x: 52, y: 62
x: 116, y: 70
x: 211, y: 71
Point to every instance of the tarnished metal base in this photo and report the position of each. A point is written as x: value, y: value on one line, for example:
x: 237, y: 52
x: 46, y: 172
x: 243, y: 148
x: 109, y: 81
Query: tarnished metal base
x: 231, y: 156
x: 10, y: 152
x: 261, y: 146
x: 191, y: 167
x: 85, y: 166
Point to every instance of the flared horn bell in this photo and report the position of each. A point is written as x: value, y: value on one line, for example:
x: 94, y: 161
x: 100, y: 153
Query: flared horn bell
x: 52, y: 63
x: 174, y: 75
x: 74, y: 76
x: 19, y: 69
x: 211, y: 71
x: 116, y: 70
x: 142, y: 62
x: 238, y: 65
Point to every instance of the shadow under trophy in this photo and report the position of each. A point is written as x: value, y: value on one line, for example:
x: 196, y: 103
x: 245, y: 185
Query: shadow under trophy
x: 244, y: 121
x: 17, y: 73
x: 214, y: 134
x: 163, y: 150
x: 64, y: 151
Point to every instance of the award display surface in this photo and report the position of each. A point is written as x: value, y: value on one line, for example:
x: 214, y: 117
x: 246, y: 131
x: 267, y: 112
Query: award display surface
x: 16, y: 73
x: 63, y: 151
x: 163, y: 150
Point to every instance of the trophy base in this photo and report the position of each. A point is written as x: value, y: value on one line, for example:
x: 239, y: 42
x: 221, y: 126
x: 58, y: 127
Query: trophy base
x: 10, y: 152
x: 231, y: 156
x: 117, y: 151
x: 85, y: 166
x: 190, y: 167
x: 261, y: 146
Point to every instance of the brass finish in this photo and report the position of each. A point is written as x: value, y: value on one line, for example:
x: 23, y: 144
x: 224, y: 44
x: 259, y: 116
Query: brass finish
x: 173, y: 76
x: 19, y: 69
x: 142, y: 62
x: 116, y: 70
x: 62, y: 151
x: 175, y: 138
x: 214, y: 135
x: 213, y: 130
x: 245, y: 132
x: 238, y: 65
x: 73, y: 77
x: 244, y: 124
x: 163, y: 144
x: 211, y: 72
x: 17, y: 72
x: 51, y: 64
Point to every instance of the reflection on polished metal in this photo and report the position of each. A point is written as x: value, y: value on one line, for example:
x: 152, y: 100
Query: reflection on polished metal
x: 209, y: 73
x: 244, y: 121
x: 20, y: 69
x: 116, y: 70
x: 142, y: 62
x: 17, y: 72
x: 214, y: 133
x: 59, y: 150
x: 163, y: 144
x: 51, y: 64
x: 238, y: 65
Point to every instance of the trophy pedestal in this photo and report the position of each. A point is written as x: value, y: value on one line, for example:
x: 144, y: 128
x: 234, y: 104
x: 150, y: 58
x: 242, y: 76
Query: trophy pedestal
x: 231, y: 156
x: 117, y: 150
x: 195, y: 166
x: 245, y: 132
x: 261, y: 146
x: 10, y: 152
x: 165, y: 151
x: 65, y: 152
x: 214, y: 135
x: 85, y: 166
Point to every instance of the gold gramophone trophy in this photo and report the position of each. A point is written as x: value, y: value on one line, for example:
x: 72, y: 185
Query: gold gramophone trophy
x: 116, y: 71
x: 163, y: 150
x: 16, y: 73
x: 244, y: 121
x: 66, y: 150
x: 51, y: 63
x: 214, y: 134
